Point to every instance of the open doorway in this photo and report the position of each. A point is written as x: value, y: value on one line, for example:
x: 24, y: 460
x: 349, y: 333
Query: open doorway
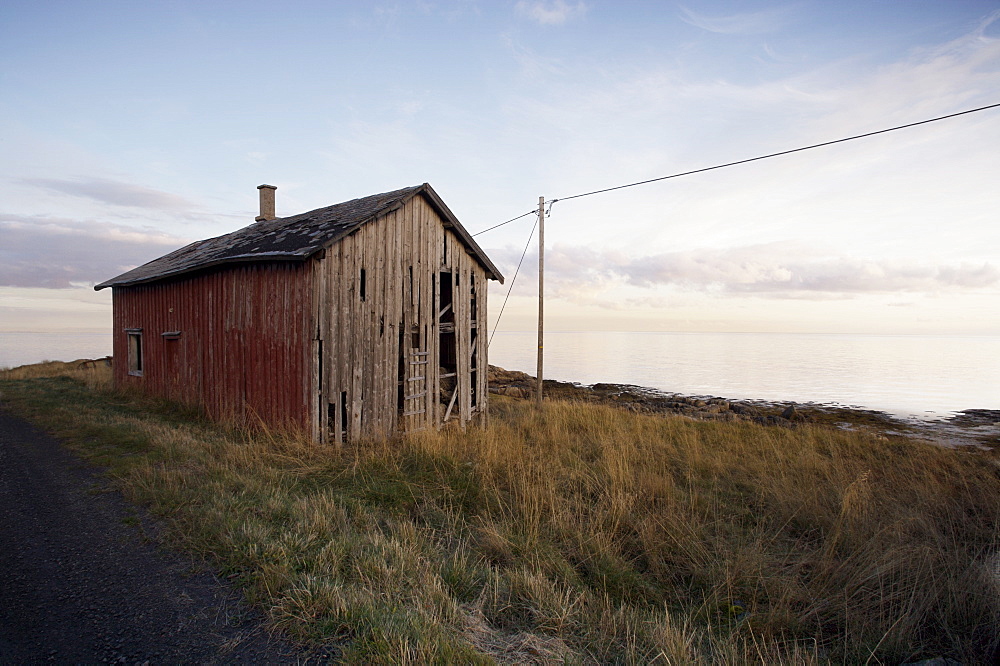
x: 447, y: 358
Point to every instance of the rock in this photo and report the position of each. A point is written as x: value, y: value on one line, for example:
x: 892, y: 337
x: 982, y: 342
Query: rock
x: 744, y: 409
x: 790, y: 413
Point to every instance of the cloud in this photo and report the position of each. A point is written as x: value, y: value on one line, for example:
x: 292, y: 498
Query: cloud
x: 58, y: 310
x: 747, y: 23
x: 116, y: 193
x: 550, y: 12
x: 782, y: 269
x: 56, y: 253
x: 929, y: 81
x: 775, y: 270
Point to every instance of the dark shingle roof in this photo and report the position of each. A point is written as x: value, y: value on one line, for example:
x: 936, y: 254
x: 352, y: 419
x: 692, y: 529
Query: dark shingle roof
x: 294, y: 238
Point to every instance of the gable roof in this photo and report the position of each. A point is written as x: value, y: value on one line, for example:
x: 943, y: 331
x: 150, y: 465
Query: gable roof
x: 295, y: 238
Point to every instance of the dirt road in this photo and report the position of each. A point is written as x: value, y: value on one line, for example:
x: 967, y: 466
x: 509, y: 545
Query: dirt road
x: 79, y: 583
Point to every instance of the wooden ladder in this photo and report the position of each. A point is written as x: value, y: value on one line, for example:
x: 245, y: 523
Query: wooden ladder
x: 415, y: 385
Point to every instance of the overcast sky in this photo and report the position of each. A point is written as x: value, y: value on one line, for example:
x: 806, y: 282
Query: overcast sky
x: 131, y: 128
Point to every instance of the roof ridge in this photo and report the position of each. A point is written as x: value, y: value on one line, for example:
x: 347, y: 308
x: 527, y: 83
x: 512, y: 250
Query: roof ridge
x: 292, y: 238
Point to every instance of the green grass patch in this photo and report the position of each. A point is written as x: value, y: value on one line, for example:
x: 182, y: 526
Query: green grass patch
x: 584, y: 533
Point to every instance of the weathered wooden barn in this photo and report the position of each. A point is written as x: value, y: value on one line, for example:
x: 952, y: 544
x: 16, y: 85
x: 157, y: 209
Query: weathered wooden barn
x: 360, y: 319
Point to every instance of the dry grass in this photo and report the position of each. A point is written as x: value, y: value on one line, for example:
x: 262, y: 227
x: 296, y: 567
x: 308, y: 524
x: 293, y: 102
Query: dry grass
x: 584, y: 533
x: 95, y: 374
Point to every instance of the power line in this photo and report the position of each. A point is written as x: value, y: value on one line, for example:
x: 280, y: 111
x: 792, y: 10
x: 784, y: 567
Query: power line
x: 513, y: 279
x: 711, y: 168
x: 783, y: 152
x: 507, y: 222
x: 752, y: 159
x: 677, y: 175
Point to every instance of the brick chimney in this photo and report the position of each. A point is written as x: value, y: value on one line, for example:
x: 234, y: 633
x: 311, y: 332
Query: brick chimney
x: 266, y: 202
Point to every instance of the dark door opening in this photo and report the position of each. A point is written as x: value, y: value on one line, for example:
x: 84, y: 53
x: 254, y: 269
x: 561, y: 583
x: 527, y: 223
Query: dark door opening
x: 447, y: 358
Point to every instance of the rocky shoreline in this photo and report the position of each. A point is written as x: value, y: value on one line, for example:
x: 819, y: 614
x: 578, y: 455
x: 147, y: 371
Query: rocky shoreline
x: 972, y: 427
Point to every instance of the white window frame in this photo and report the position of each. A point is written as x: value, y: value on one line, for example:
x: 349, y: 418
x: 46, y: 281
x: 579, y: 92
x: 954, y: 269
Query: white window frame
x: 133, y: 338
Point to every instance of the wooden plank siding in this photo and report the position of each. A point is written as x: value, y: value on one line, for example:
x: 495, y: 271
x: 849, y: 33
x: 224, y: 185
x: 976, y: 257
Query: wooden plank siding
x: 382, y: 329
x: 243, y: 350
x: 344, y: 343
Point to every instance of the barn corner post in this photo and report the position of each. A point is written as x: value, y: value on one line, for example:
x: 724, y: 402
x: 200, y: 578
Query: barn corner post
x: 541, y: 296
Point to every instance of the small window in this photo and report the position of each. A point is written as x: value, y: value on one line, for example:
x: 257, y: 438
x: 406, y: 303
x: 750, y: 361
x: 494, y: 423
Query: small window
x: 363, y: 286
x: 134, y: 351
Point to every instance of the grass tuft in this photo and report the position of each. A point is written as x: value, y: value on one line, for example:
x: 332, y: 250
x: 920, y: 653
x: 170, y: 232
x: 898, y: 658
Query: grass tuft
x: 583, y: 533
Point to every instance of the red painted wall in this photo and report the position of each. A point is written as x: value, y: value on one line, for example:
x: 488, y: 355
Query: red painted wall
x: 244, y: 349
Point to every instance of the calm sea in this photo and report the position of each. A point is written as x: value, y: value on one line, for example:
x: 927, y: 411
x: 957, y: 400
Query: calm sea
x: 925, y: 376
x: 23, y: 348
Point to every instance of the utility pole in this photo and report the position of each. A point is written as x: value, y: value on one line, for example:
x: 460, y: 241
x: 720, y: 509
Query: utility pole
x: 541, y: 292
